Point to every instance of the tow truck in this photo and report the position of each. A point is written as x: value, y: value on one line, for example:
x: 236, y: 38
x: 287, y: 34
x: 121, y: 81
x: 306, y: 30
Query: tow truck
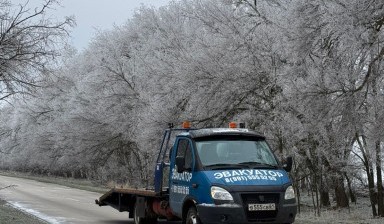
x: 211, y: 175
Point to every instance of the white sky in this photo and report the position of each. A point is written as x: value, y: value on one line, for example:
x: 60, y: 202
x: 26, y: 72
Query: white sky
x: 92, y: 15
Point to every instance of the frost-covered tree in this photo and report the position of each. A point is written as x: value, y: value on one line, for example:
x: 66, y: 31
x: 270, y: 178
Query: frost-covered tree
x: 309, y: 75
x: 339, y: 51
x: 29, y: 41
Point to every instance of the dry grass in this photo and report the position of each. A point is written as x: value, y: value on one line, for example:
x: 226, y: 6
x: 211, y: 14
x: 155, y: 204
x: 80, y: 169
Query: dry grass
x: 10, y: 215
x: 359, y: 213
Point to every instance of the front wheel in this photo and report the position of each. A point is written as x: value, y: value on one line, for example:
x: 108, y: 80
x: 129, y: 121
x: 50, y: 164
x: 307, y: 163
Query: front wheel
x: 192, y: 217
x: 141, y: 220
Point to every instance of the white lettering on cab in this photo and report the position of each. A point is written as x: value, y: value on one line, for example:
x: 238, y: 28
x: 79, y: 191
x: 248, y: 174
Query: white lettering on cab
x: 245, y: 175
x: 185, y: 176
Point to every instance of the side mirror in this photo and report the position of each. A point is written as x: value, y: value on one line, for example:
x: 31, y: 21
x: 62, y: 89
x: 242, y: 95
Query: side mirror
x: 288, y: 164
x: 180, y: 161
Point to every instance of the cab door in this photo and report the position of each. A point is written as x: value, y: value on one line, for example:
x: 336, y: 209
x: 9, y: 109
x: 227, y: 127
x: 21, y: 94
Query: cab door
x: 180, y: 182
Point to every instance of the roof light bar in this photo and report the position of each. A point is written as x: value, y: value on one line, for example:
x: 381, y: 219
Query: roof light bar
x: 186, y: 124
x: 232, y: 125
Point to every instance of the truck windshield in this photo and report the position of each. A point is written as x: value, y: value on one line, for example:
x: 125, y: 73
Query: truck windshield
x: 235, y: 152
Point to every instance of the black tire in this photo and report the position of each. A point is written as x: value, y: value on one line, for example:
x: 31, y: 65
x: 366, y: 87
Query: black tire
x: 140, y: 220
x: 192, y: 217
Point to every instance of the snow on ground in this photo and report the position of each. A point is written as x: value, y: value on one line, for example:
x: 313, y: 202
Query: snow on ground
x: 24, y: 208
x: 359, y: 213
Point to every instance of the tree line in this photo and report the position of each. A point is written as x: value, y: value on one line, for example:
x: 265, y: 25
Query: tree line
x: 309, y: 75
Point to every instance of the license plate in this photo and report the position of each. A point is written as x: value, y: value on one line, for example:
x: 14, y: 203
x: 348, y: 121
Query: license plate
x: 262, y: 207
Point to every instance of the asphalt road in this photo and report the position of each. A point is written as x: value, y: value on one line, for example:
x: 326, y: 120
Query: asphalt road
x: 58, y: 204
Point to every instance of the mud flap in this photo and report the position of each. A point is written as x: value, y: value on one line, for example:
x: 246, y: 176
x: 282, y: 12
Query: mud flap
x: 141, y: 207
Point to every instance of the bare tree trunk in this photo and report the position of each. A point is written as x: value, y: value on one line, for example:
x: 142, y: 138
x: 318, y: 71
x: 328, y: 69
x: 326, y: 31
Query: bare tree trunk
x: 298, y: 199
x: 324, y: 193
x: 351, y: 194
x: 375, y: 88
x: 296, y: 185
x: 369, y: 171
x: 315, y: 201
x: 324, y: 198
x: 380, y: 198
x: 341, y: 197
x: 371, y: 185
x: 303, y: 183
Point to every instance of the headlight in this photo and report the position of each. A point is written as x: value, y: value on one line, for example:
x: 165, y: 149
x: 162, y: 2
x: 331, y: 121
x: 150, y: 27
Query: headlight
x: 219, y: 193
x: 289, y: 193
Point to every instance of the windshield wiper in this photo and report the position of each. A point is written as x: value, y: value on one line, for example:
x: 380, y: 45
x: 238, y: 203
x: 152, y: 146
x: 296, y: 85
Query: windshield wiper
x: 226, y: 166
x: 258, y: 164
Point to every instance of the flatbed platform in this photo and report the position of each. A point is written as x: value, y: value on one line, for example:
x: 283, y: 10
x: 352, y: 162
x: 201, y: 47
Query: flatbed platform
x: 123, y: 199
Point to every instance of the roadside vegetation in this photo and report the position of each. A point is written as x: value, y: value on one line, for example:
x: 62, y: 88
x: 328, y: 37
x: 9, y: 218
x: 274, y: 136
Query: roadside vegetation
x: 355, y: 214
x: 81, y: 184
x: 10, y: 215
x: 307, y: 74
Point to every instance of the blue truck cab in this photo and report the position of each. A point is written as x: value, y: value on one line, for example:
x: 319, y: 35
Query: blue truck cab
x: 212, y: 176
x: 229, y: 176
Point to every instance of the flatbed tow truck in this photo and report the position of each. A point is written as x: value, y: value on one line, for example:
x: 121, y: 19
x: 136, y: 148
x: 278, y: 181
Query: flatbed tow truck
x: 215, y: 175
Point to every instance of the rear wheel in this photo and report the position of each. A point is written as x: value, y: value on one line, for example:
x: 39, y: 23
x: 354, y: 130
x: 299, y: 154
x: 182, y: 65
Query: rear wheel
x: 192, y: 217
x: 142, y: 220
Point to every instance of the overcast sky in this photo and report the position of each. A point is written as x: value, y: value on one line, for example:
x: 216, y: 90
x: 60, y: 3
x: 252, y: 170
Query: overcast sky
x: 95, y: 14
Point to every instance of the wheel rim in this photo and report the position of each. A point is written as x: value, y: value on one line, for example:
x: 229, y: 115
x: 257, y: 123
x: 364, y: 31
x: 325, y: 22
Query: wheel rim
x: 192, y: 219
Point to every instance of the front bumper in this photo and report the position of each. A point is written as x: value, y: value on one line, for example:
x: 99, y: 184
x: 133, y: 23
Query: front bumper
x: 237, y: 214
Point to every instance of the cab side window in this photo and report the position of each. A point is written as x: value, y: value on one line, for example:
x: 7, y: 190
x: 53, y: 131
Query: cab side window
x: 184, y: 149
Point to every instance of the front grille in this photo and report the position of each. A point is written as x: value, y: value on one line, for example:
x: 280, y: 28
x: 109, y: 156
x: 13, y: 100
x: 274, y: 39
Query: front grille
x: 261, y: 198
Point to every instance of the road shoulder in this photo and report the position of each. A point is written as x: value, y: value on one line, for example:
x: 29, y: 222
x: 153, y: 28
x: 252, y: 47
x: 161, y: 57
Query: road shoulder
x: 11, y: 215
